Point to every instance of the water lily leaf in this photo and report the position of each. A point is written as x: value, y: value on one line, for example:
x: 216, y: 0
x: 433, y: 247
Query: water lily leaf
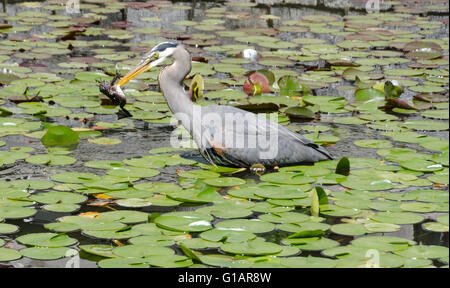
x: 14, y: 212
x: 9, y: 255
x: 397, y: 218
x: 424, y: 252
x: 138, y: 251
x: 196, y: 88
x: 46, y: 240
x: 187, y: 222
x: 251, y: 225
x: 99, y: 250
x: 225, y: 261
x: 252, y: 248
x: 300, y: 113
x: 343, y: 167
x: 278, y: 193
x: 381, y: 227
x: 284, y: 217
x: 41, y: 253
x: 369, y: 143
x: 425, y: 125
x: 383, y: 243
x: 289, y: 86
x: 423, y: 50
x: 287, y: 178
x: 421, y: 165
x: 419, y: 207
x: 62, y: 227
x: 336, y: 211
x: 123, y: 263
x: 367, y: 183
x: 308, y: 262
x: 133, y: 172
x: 60, y: 136
x: 105, y: 141
x: 124, y: 216
x: 435, y: 227
x: 225, y: 181
x: 58, y: 197
x: 74, y: 177
x: 349, y: 229
x: 61, y: 207
x: 8, y: 228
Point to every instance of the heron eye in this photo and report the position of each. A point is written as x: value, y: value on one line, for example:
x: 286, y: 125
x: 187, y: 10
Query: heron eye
x: 156, y: 55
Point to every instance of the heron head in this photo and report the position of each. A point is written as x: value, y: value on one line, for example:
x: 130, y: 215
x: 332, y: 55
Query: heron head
x: 156, y: 56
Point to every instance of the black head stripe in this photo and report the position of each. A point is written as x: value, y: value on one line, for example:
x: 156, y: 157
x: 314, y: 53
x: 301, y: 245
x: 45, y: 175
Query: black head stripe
x: 163, y: 46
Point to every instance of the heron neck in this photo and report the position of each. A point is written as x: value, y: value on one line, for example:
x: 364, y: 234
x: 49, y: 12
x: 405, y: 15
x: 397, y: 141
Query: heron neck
x: 171, y: 84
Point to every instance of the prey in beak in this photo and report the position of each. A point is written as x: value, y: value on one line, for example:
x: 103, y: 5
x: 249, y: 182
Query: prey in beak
x: 113, y: 90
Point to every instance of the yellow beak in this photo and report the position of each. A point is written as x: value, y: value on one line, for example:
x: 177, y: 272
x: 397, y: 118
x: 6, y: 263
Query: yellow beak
x: 138, y: 70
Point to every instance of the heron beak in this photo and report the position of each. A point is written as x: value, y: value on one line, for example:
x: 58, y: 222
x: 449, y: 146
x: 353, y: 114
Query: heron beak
x: 138, y: 70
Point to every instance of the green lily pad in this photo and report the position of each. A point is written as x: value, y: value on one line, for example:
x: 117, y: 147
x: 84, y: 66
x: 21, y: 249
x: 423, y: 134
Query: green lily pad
x: 58, y: 197
x: 424, y: 252
x: 224, y: 182
x: 62, y: 227
x: 366, y: 183
x: 8, y: 228
x: 251, y: 225
x: 311, y: 243
x: 101, y: 250
x: 123, y: 263
x: 399, y: 218
x: 74, y: 177
x: 383, y: 243
x: 135, y: 251
x: 225, y: 261
x: 252, y: 248
x: 419, y: 207
x: 308, y: 262
x: 122, y: 233
x: 45, y: 253
x: 133, y: 172
x: 169, y: 261
x: 188, y: 221
x: 443, y: 219
x: 349, y: 229
x: 60, y: 136
x: 284, y: 217
x: 9, y: 255
x: 421, y: 165
x: 373, y: 143
x: 13, y: 212
x: 228, y: 235
x: 124, y: 216
x: 287, y: 178
x: 46, y: 240
x: 435, y: 227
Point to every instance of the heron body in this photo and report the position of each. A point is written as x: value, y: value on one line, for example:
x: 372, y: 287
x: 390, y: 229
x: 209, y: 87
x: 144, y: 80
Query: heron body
x: 225, y: 135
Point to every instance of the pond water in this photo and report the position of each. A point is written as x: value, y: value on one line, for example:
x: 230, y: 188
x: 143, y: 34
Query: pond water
x: 398, y: 182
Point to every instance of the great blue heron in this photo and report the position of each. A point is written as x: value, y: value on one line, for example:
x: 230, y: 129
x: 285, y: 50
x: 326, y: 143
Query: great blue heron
x: 225, y: 135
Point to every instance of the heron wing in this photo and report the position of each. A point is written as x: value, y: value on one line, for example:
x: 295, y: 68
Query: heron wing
x: 239, y: 140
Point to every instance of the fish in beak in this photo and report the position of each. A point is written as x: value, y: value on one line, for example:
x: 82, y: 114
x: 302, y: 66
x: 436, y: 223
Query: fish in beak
x: 113, y: 90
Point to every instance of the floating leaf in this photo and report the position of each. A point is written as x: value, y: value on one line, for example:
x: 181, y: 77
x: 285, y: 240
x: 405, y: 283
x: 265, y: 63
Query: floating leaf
x: 60, y: 136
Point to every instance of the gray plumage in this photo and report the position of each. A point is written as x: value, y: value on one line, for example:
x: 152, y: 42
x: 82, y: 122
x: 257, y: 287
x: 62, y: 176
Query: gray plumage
x: 281, y: 146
